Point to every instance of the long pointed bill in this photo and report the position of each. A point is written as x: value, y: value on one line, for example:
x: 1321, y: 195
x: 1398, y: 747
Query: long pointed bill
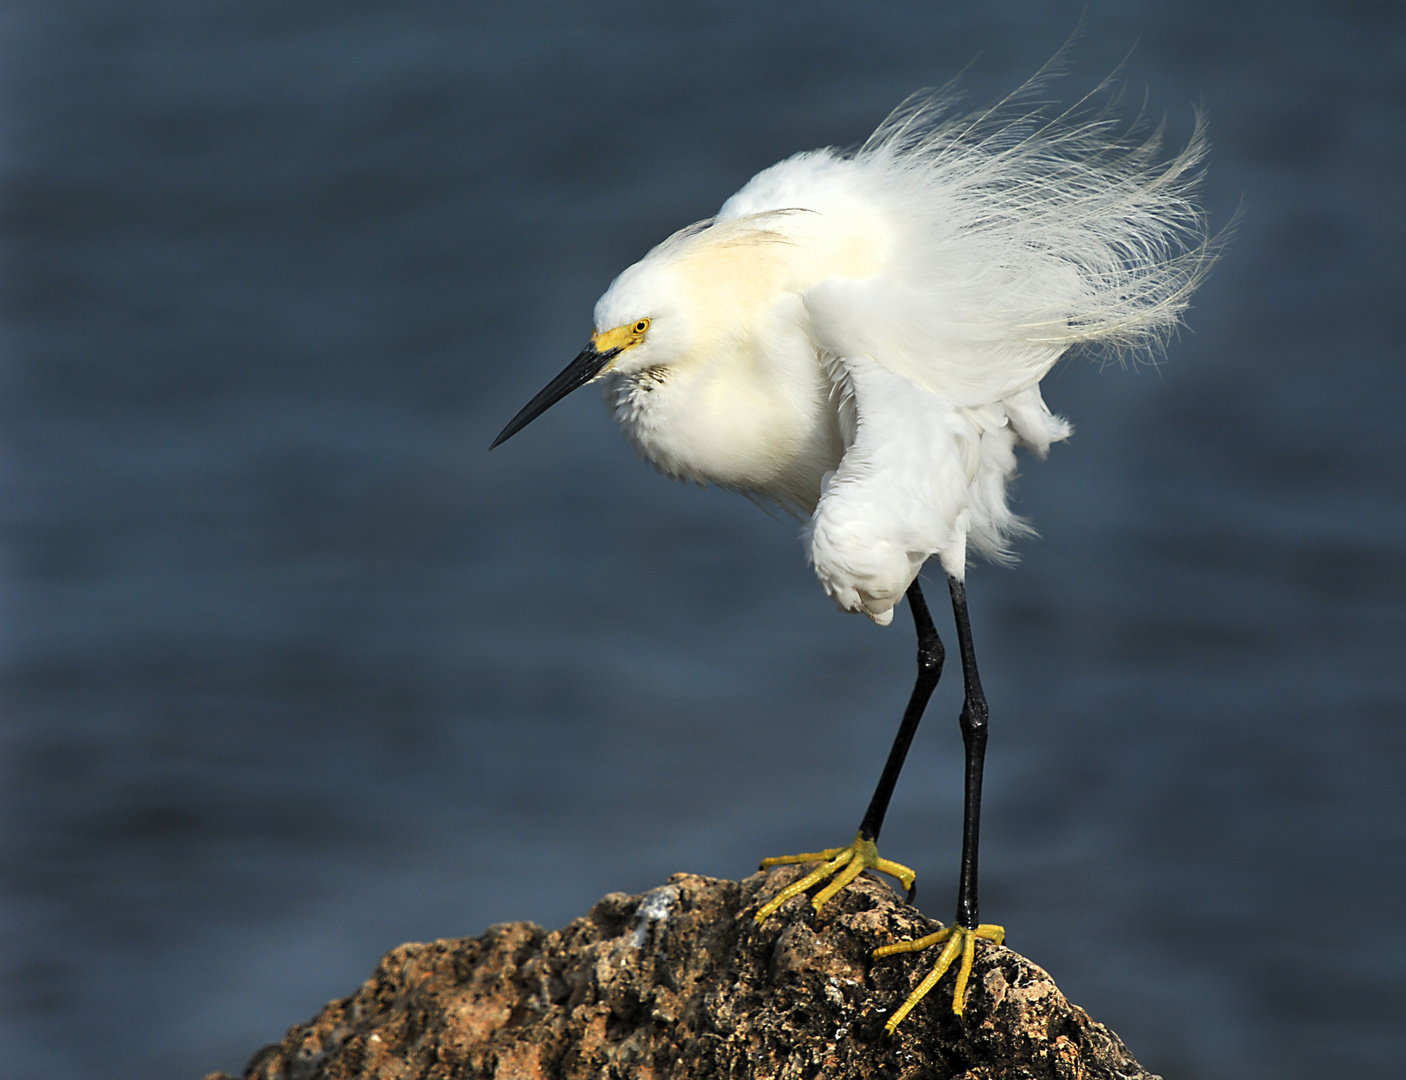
x: 577, y: 374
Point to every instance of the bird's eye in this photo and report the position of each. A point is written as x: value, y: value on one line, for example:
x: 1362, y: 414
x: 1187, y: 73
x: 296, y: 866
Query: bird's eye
x: 641, y: 326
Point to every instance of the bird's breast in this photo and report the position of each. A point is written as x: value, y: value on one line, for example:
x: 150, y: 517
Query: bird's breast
x: 757, y: 420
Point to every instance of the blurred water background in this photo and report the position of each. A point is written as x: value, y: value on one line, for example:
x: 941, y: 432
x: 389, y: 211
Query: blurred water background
x: 294, y: 670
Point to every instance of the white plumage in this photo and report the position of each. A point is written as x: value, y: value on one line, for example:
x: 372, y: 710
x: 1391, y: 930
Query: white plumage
x: 860, y: 336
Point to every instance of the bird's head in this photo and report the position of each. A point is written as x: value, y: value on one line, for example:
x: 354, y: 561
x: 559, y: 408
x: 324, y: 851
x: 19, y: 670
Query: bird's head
x: 699, y: 286
x: 632, y: 333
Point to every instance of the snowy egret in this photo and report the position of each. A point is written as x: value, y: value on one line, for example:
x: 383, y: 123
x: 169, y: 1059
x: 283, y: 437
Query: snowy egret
x: 859, y: 337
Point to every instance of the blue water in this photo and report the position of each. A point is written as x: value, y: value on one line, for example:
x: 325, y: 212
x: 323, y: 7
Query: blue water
x: 294, y: 670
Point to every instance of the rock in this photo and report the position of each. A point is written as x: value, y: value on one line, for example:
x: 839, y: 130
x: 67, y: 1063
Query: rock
x: 681, y: 982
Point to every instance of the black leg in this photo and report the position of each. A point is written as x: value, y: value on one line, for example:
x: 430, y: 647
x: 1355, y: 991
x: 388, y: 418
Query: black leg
x: 958, y: 940
x: 843, y: 864
x: 973, y: 723
x: 930, y: 657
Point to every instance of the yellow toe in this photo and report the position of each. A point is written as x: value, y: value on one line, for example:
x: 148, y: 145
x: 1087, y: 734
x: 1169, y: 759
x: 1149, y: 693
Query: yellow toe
x: 842, y: 864
x: 770, y: 908
x: 955, y: 941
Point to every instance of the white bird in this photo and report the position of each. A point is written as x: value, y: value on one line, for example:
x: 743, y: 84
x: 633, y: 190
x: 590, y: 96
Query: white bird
x: 859, y: 337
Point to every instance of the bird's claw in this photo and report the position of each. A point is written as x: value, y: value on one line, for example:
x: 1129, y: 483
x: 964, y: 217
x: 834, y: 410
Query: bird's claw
x: 843, y: 863
x: 958, y: 939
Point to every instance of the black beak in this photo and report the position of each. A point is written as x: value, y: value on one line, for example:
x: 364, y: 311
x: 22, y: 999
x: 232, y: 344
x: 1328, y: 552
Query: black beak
x: 578, y: 373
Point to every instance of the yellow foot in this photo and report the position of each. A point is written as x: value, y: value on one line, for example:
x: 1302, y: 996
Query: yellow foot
x: 959, y: 940
x: 845, y: 863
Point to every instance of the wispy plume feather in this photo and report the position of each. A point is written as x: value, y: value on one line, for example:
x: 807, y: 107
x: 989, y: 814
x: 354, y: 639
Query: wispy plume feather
x: 1025, y: 192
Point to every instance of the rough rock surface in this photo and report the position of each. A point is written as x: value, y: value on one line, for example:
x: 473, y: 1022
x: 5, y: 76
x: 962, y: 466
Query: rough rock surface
x: 681, y: 982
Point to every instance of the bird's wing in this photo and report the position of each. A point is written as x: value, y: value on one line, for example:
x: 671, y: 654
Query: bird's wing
x: 922, y: 475
x: 894, y: 499
x: 900, y: 492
